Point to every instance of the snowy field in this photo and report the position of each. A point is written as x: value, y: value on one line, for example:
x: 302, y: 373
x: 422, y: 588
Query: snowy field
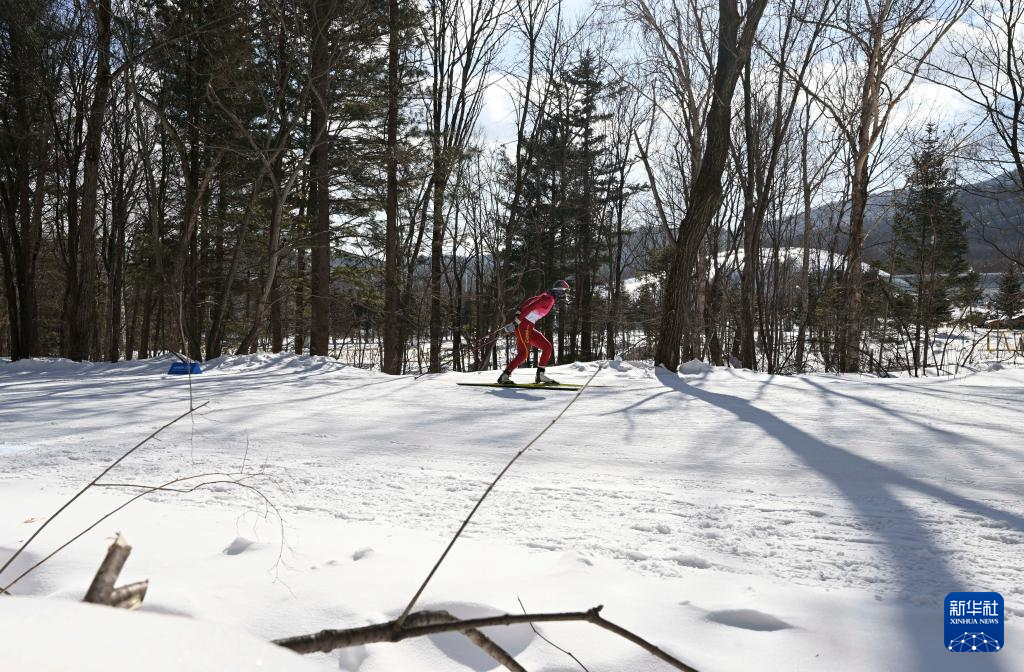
x: 738, y: 520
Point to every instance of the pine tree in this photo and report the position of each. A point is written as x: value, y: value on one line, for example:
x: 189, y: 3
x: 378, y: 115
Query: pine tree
x: 930, y: 245
x: 1009, y: 300
x: 564, y: 198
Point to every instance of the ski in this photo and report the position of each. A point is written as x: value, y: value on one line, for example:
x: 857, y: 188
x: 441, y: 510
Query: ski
x: 568, y: 388
x: 530, y: 386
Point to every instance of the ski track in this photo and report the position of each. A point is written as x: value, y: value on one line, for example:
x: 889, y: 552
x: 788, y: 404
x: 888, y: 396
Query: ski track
x: 886, y: 486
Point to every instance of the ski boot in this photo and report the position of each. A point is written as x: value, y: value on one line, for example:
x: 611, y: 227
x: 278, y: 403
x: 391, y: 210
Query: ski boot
x: 505, y: 379
x: 543, y: 379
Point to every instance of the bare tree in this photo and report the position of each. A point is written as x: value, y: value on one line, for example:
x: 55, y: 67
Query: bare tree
x: 985, y: 65
x: 462, y: 39
x: 736, y: 32
x: 768, y: 110
x: 881, y: 48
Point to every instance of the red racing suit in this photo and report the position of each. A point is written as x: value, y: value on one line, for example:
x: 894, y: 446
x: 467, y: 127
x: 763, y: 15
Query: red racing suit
x: 530, y: 311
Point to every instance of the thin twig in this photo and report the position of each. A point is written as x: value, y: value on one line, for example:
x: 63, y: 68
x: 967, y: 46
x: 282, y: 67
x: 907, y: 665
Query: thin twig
x: 148, y: 490
x: 246, y: 453
x: 412, y: 603
x: 92, y: 483
x: 538, y: 633
x: 642, y: 643
x: 400, y: 621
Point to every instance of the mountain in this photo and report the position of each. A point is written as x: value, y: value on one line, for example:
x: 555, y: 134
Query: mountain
x: 994, y: 209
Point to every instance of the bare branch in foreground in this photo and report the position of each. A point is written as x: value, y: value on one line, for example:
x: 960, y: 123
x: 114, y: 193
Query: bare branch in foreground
x: 400, y: 621
x: 483, y: 642
x: 91, y: 483
x: 146, y: 491
x: 424, y: 623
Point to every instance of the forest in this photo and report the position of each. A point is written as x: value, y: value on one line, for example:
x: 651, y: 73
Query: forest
x: 781, y: 185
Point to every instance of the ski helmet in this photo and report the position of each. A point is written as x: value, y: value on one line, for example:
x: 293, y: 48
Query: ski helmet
x: 561, y: 290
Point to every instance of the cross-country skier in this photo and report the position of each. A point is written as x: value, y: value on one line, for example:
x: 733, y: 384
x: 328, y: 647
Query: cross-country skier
x: 529, y: 312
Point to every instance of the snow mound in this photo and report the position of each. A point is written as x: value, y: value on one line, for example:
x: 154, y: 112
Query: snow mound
x: 694, y: 366
x: 748, y: 619
x: 240, y: 545
x: 694, y: 561
x: 94, y: 638
x: 631, y: 369
x: 56, y: 366
x: 362, y: 553
x: 281, y: 361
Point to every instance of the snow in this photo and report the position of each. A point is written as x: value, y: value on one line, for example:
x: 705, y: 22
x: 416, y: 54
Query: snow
x: 56, y: 635
x: 733, y: 518
x: 694, y: 367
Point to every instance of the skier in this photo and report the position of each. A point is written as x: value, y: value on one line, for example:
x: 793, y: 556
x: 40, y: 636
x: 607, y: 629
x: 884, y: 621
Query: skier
x: 529, y: 312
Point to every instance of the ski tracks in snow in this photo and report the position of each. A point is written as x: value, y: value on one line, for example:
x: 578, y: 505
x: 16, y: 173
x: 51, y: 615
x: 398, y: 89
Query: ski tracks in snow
x: 896, y: 488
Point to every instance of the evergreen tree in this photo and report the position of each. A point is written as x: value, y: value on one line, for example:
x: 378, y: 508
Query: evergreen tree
x: 564, y: 198
x: 1009, y: 301
x: 930, y: 245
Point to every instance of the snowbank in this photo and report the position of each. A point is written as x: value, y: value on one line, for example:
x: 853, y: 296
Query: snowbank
x: 41, y: 635
x: 694, y: 367
x: 279, y: 362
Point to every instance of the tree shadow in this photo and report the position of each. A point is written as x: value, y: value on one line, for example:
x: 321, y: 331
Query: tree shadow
x: 944, y: 434
x: 920, y: 565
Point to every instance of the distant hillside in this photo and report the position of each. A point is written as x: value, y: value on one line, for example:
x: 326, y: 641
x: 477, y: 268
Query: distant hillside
x: 996, y: 203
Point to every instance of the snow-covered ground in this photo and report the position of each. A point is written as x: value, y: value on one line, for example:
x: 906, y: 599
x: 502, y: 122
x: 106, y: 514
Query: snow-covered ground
x: 738, y: 520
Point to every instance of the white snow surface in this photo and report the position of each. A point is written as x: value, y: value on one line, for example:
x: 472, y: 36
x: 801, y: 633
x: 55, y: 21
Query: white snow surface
x: 738, y: 520
x: 86, y: 637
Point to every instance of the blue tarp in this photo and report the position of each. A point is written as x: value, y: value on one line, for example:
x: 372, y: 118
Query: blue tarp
x: 182, y: 368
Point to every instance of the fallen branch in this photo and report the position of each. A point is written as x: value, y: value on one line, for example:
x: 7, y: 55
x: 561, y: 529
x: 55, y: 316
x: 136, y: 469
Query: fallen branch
x: 103, y: 583
x: 129, y: 596
x: 418, y: 624
x: 102, y: 590
x: 423, y: 623
x: 482, y: 641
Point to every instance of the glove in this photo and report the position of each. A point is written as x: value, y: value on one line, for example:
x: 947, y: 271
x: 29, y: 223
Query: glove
x: 510, y: 328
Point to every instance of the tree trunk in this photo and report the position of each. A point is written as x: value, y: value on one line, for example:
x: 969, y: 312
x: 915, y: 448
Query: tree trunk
x: 83, y: 297
x: 393, y: 347
x: 436, y: 261
x: 850, y: 356
x: 706, y: 192
x: 320, y: 257
x: 300, y: 301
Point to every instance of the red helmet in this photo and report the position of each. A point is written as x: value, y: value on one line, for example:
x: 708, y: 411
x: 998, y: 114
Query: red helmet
x: 560, y: 290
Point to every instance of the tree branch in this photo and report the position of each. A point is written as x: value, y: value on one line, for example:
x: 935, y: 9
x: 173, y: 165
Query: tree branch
x: 423, y: 623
